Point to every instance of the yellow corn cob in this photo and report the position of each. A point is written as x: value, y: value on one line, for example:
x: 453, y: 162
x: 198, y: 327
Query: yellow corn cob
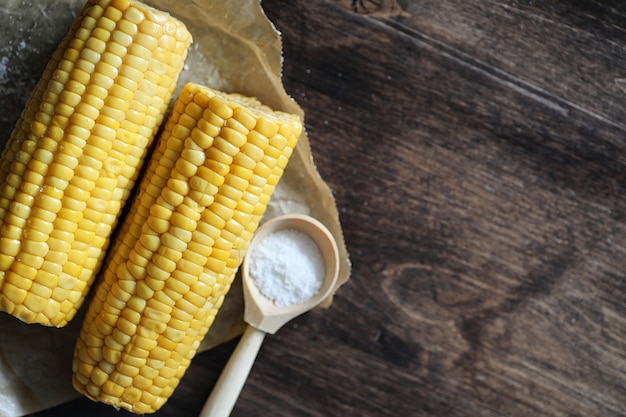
x: 202, y: 197
x: 76, y: 152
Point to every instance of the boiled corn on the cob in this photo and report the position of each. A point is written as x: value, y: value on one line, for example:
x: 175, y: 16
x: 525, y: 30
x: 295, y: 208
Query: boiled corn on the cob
x: 76, y: 151
x: 203, y: 195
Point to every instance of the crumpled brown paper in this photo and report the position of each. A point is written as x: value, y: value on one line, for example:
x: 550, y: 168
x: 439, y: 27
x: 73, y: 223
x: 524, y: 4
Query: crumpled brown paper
x: 236, y: 49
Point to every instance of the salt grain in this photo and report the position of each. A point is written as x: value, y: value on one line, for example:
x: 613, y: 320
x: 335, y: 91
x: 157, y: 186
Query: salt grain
x: 287, y: 267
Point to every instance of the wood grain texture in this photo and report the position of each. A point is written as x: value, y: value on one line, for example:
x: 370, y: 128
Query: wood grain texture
x: 476, y: 149
x: 375, y: 8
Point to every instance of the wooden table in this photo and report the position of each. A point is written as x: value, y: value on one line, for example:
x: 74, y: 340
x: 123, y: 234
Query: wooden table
x: 477, y: 152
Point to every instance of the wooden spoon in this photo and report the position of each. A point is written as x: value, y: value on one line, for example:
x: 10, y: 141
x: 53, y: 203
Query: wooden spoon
x: 263, y: 316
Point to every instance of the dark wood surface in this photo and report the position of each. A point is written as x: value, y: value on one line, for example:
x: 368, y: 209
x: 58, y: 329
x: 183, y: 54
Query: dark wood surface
x: 477, y: 152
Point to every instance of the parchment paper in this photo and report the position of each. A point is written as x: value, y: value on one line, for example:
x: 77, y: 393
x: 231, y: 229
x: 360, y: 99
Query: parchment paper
x: 236, y: 49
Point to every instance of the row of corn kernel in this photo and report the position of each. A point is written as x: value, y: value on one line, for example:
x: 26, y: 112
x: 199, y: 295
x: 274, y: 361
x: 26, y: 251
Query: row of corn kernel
x: 20, y: 147
x: 27, y: 282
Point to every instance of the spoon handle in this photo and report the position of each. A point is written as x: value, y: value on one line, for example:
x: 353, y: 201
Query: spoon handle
x: 228, y: 387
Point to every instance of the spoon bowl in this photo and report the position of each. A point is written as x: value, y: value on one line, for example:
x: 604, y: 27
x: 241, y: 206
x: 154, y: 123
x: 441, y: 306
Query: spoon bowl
x: 263, y: 315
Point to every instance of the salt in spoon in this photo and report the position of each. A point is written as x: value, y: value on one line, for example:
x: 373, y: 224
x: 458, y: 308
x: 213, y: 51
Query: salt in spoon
x: 263, y: 316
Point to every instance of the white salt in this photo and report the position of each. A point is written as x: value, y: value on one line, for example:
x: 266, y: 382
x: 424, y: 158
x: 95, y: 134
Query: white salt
x: 287, y: 267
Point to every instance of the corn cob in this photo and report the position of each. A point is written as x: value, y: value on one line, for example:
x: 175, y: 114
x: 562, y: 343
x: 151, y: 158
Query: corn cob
x: 76, y: 151
x: 205, y: 190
